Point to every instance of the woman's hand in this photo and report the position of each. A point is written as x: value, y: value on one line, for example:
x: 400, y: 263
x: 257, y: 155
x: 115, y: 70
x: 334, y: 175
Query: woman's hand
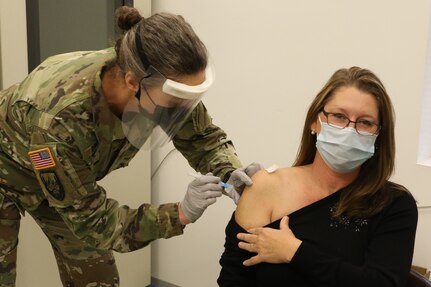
x: 271, y: 245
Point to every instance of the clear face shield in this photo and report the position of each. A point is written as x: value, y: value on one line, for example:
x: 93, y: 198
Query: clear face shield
x: 160, y: 108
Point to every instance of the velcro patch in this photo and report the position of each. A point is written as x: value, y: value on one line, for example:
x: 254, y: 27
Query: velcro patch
x: 53, y: 185
x: 42, y: 158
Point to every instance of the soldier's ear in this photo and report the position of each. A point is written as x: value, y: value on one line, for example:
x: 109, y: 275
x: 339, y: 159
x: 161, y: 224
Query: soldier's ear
x: 131, y: 81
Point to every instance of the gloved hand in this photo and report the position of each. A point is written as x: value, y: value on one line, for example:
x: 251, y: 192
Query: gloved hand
x: 201, y: 193
x: 240, y: 178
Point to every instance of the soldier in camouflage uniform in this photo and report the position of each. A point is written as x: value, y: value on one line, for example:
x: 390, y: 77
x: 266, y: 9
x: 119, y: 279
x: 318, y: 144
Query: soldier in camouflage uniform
x: 61, y: 131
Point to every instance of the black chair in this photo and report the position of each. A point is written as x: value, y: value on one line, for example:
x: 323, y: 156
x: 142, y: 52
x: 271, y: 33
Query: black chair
x: 417, y: 280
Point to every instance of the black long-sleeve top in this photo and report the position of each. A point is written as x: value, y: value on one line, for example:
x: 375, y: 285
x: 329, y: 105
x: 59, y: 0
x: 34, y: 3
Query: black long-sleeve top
x: 376, y: 251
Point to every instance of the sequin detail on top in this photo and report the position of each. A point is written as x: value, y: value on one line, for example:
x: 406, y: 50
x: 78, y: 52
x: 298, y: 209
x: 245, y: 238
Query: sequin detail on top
x: 346, y: 222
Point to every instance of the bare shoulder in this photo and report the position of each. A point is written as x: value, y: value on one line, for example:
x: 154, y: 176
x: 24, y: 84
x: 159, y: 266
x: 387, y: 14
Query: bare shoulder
x: 256, y: 202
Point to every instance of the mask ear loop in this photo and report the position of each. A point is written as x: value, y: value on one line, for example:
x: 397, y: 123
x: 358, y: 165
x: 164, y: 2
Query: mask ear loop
x: 320, y: 121
x: 148, y: 95
x: 138, y: 92
x: 138, y: 96
x: 313, y: 131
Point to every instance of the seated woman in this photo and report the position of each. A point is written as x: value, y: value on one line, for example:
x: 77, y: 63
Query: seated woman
x: 334, y: 218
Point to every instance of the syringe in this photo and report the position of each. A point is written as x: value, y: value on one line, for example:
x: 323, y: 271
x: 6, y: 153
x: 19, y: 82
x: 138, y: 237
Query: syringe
x: 221, y: 183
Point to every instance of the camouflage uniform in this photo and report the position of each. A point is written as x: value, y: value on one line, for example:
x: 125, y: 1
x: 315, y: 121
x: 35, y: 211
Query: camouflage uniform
x: 57, y: 139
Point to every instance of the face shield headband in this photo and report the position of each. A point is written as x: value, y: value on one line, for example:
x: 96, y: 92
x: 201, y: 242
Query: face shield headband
x: 161, y: 106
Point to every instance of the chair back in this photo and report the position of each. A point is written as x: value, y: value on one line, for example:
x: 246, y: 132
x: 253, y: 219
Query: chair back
x: 417, y: 280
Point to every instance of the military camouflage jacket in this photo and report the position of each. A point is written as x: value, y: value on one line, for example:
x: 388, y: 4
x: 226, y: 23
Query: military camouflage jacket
x: 59, y: 138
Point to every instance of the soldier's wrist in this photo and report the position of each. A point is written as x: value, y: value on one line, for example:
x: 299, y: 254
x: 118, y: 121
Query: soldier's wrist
x: 181, y: 216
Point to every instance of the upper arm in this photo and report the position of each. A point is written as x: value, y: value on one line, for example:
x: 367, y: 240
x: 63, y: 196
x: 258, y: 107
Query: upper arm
x: 65, y: 177
x: 255, y: 204
x: 62, y: 156
x: 205, y: 145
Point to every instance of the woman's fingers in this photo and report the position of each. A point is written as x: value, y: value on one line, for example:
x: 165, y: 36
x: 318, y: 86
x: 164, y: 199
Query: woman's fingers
x: 252, y: 261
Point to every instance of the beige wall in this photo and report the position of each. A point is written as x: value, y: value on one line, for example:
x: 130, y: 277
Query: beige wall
x: 270, y: 61
x: 131, y: 186
x: 271, y: 58
x: 13, y: 51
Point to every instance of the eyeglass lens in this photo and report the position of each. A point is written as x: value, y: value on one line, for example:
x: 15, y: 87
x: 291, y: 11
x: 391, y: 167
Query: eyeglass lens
x: 362, y: 126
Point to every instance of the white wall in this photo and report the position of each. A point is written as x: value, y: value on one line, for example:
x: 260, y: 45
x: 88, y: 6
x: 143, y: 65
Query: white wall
x: 13, y: 50
x: 36, y: 264
x: 271, y: 58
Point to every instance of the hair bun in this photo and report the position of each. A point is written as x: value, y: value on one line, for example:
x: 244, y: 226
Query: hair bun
x: 127, y: 17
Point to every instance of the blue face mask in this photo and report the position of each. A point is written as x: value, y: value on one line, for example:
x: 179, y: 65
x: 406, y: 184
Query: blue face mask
x: 344, y: 150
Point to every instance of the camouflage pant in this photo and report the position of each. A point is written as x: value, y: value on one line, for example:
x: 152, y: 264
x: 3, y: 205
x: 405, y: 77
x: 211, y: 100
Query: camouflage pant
x: 79, y: 264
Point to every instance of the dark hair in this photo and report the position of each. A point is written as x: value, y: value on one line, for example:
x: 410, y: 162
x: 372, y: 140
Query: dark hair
x: 168, y: 41
x: 365, y: 196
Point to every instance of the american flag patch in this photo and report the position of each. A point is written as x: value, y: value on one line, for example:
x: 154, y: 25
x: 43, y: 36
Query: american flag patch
x: 42, y: 158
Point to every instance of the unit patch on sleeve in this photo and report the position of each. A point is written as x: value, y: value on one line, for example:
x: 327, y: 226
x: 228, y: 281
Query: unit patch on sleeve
x: 42, y: 158
x: 52, y: 184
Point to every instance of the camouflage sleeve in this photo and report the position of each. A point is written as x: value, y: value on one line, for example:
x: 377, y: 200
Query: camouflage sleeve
x: 205, y: 145
x: 68, y: 180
